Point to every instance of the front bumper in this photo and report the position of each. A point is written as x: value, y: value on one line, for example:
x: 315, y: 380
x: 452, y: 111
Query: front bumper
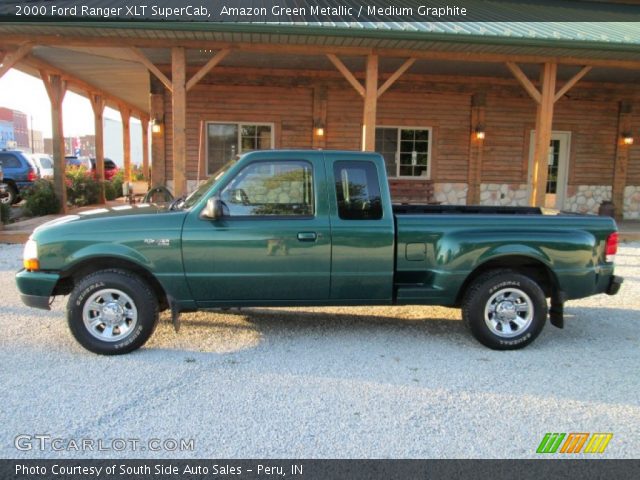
x: 614, y: 285
x: 36, y: 288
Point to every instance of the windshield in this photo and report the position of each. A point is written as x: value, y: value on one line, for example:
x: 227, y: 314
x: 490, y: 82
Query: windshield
x: 197, y: 194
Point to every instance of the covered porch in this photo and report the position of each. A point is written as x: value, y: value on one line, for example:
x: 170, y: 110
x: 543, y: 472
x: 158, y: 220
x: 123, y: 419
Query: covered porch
x: 500, y: 117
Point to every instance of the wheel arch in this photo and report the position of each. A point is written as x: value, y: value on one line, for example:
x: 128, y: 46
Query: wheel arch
x: 532, y: 267
x: 70, y: 277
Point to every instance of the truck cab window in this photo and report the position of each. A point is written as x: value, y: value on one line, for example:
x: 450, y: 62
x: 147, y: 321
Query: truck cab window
x: 357, y: 191
x: 282, y: 188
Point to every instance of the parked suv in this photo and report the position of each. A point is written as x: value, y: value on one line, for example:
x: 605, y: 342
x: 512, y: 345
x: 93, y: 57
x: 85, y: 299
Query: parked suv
x: 19, y: 174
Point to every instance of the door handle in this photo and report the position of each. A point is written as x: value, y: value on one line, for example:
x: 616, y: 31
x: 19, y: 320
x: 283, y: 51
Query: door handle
x: 307, y: 236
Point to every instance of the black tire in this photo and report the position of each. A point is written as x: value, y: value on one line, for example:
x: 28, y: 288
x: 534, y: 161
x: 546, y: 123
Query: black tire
x: 10, y: 196
x: 102, y: 285
x: 503, y: 293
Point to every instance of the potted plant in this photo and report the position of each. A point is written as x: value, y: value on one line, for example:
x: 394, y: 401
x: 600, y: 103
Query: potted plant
x: 139, y: 183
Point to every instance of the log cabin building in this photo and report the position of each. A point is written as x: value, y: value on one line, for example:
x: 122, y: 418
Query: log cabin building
x: 494, y: 114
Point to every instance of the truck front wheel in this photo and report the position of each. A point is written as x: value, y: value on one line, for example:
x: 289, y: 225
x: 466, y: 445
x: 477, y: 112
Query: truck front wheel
x: 112, y: 312
x: 504, y: 310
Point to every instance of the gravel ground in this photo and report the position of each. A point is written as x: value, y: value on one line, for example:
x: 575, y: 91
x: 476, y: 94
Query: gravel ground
x: 323, y: 382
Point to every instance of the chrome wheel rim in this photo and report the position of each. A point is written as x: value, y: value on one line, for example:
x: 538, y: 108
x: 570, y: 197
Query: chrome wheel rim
x: 110, y: 315
x: 508, y: 312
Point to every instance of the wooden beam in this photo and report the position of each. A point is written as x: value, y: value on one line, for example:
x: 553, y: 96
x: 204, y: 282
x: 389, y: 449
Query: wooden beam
x: 476, y: 147
x: 215, y: 60
x: 145, y: 147
x: 56, y: 88
x: 11, y: 58
x: 98, y: 104
x: 544, y: 125
x: 151, y: 67
x: 524, y: 81
x: 125, y: 114
x: 370, y: 105
x: 621, y: 162
x: 346, y: 73
x: 571, y: 83
x: 396, y: 75
x: 179, y: 120
x: 299, y: 49
x: 81, y: 87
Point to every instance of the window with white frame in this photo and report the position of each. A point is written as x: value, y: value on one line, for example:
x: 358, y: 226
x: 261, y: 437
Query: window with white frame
x: 225, y: 140
x: 406, y: 150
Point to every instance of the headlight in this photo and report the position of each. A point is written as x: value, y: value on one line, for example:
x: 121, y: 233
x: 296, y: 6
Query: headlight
x: 30, y: 255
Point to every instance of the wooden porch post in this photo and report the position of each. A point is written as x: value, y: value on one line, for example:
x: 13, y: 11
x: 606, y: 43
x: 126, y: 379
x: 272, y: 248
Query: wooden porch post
x: 544, y: 124
x: 622, y: 159
x: 370, y: 105
x: 478, y: 107
x: 56, y: 88
x: 125, y: 114
x: 98, y: 103
x: 145, y: 147
x: 179, y: 111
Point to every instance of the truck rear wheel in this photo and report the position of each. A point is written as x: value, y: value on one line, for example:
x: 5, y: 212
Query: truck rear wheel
x: 112, y: 312
x: 504, y: 310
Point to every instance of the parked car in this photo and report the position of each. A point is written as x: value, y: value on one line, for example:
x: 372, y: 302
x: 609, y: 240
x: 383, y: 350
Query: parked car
x: 19, y: 174
x: 285, y: 228
x: 44, y: 163
x: 110, y: 168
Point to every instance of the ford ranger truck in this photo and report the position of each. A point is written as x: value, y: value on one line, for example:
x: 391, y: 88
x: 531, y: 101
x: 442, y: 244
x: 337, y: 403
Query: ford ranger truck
x: 309, y: 228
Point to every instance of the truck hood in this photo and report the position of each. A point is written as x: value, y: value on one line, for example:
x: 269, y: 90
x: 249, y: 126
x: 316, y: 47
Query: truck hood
x: 120, y: 211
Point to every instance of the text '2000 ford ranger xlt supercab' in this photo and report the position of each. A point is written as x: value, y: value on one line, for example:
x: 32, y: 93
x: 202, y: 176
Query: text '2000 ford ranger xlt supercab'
x: 294, y: 228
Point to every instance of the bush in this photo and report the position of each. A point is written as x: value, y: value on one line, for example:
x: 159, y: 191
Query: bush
x: 82, y: 188
x: 116, y: 182
x: 109, y: 191
x: 41, y: 199
x: 5, y: 213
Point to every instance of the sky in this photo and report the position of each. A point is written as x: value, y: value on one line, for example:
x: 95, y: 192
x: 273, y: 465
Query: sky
x: 23, y: 92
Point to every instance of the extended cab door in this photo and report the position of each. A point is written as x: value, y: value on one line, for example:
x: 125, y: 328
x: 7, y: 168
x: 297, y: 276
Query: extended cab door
x: 362, y: 229
x: 272, y: 243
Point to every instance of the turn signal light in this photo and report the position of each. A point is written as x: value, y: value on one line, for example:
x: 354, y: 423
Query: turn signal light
x: 31, y: 264
x: 612, y: 247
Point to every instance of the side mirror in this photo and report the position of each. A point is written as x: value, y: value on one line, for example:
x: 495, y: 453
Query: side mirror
x: 213, y: 209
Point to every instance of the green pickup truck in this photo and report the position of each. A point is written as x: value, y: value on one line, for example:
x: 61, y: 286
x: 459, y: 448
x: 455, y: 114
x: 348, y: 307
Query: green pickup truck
x: 294, y: 228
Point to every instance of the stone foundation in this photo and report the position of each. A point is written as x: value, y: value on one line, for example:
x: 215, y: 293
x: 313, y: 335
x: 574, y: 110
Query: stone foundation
x: 450, y: 193
x: 504, y: 194
x: 586, y: 198
x: 631, y: 210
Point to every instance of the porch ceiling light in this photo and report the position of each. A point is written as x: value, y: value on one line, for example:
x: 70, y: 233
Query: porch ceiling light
x: 156, y: 125
x: 627, y: 138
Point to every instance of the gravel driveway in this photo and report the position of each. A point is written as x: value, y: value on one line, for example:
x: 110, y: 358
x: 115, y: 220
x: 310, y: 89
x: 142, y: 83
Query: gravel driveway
x: 323, y: 382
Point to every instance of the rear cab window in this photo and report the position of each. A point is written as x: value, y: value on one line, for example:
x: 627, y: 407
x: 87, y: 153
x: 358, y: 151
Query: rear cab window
x: 357, y: 190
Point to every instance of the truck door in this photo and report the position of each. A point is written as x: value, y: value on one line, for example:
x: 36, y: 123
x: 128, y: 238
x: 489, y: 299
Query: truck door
x: 272, y: 243
x: 362, y: 231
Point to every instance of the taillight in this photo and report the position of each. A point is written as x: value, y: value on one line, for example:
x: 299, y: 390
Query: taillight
x: 32, y: 176
x: 611, y: 248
